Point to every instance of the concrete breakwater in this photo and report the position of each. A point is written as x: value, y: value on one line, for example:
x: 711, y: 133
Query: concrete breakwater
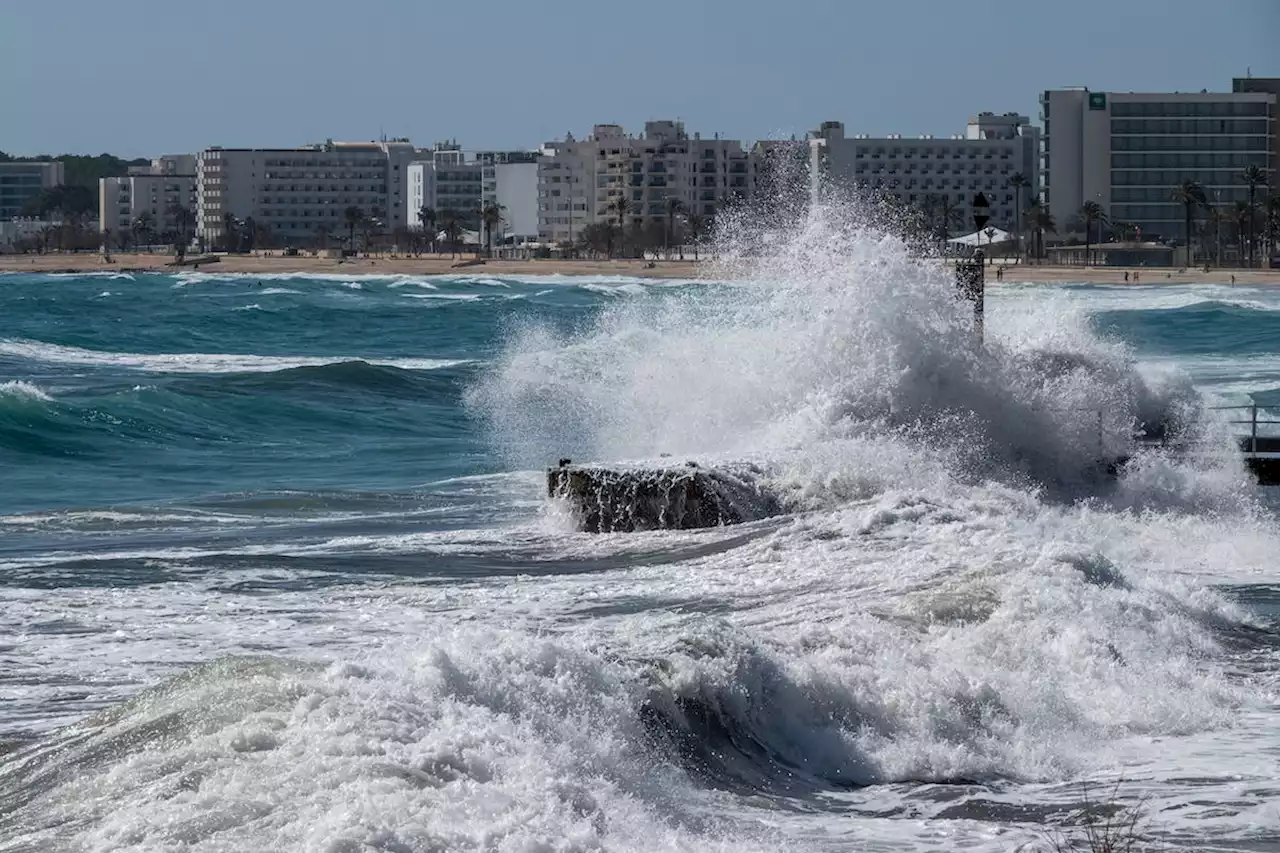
x: 677, y: 497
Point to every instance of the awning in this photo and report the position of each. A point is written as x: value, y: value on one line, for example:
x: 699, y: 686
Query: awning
x: 985, y: 237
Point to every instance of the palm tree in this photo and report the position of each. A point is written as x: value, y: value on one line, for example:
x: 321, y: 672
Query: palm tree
x: 370, y: 227
x: 143, y: 227
x: 427, y: 217
x: 182, y: 221
x: 1273, y: 223
x: 697, y: 226
x: 1041, y: 222
x: 1241, y: 214
x: 1254, y: 177
x: 491, y: 218
x: 452, y: 226
x: 1190, y: 194
x: 950, y: 216
x: 674, y: 206
x: 230, y: 231
x: 620, y: 206
x: 354, y: 217
x: 1091, y: 212
x: 1018, y: 181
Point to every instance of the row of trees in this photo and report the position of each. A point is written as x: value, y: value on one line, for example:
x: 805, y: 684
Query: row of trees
x: 1251, y: 224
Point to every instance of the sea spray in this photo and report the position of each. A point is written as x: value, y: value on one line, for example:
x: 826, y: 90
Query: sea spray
x: 836, y: 332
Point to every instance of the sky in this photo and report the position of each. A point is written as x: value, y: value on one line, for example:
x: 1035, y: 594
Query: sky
x: 146, y: 77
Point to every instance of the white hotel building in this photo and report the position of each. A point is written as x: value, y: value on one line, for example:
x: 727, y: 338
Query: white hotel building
x: 1128, y: 151
x: 579, y: 181
x: 299, y: 193
x: 953, y: 169
x: 449, y: 179
x: 157, y: 190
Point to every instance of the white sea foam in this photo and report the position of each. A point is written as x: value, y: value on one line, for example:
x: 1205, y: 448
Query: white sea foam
x: 952, y: 598
x: 199, y: 362
x: 23, y: 390
x: 453, y: 297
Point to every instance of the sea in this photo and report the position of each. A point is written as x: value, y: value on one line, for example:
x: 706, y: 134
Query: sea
x: 278, y: 569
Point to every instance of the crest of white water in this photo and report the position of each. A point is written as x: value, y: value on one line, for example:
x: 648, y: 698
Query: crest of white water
x: 842, y: 352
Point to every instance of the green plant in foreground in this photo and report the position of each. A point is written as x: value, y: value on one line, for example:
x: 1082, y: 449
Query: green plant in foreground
x: 1107, y: 827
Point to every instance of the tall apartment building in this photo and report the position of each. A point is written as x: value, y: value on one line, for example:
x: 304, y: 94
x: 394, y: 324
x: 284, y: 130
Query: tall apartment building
x: 985, y: 159
x: 298, y: 193
x: 580, y: 181
x: 21, y: 181
x: 1128, y: 151
x: 159, y: 190
x: 1269, y: 86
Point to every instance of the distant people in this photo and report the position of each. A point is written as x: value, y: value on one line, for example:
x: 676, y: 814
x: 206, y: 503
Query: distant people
x: 1233, y: 278
x: 1126, y: 276
x: 1135, y: 276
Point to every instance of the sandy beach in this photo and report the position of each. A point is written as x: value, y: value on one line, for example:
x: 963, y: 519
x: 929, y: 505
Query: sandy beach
x: 687, y: 269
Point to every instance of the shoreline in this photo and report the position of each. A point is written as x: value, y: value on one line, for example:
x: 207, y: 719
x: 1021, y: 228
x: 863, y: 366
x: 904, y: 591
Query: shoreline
x: 72, y: 264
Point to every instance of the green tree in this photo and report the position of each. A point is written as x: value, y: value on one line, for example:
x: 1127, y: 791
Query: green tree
x: 427, y: 216
x: 144, y: 226
x: 620, y: 206
x: 67, y: 203
x: 697, y: 230
x: 1038, y: 219
x: 1241, y: 216
x: 674, y: 207
x: 490, y: 218
x: 1273, y: 223
x: 1254, y: 177
x: 1190, y: 194
x: 1091, y: 212
x: 183, y: 222
x: 452, y: 225
x: 354, y: 218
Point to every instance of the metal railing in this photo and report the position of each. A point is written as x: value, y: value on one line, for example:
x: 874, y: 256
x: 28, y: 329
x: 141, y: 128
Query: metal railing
x: 1253, y: 421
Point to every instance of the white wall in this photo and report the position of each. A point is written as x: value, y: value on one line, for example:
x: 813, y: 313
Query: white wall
x: 518, y: 194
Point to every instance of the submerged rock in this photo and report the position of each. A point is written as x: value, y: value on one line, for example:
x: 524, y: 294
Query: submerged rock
x: 622, y: 500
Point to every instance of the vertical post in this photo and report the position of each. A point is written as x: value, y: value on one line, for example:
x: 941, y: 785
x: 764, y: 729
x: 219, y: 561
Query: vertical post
x: 1253, y: 427
x: 979, y: 299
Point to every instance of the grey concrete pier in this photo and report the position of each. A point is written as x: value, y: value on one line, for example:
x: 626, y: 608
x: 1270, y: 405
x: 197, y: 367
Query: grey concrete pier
x: 678, y: 497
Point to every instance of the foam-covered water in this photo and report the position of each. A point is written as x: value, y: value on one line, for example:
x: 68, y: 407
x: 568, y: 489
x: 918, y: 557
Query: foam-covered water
x: 284, y: 578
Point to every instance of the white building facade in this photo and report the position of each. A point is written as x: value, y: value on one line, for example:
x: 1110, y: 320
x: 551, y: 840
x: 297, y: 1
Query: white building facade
x: 299, y: 194
x: 1128, y: 152
x: 449, y: 180
x: 940, y: 172
x: 160, y: 190
x: 580, y: 182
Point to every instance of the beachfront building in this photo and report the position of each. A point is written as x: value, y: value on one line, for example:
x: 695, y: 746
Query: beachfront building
x: 1129, y: 151
x: 20, y: 181
x: 451, y: 181
x: 298, y: 195
x: 509, y: 179
x: 935, y: 173
x: 165, y: 190
x: 580, y: 182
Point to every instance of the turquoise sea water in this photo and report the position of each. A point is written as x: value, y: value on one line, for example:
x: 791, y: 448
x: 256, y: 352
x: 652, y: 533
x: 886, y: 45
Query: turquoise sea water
x: 316, y: 504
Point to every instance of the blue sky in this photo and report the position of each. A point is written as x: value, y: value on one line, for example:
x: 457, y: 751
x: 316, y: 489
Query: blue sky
x: 143, y: 77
